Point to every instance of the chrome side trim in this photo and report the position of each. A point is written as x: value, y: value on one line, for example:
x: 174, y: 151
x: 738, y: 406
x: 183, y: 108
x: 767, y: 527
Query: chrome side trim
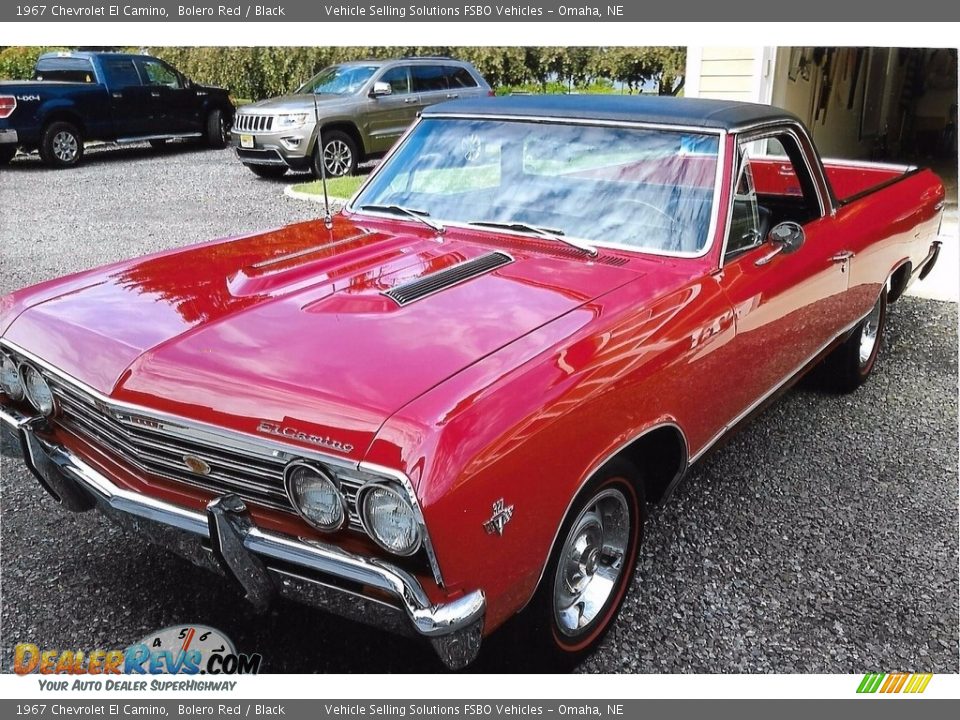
x: 165, y: 136
x: 593, y: 471
x: 715, y: 210
x: 763, y: 398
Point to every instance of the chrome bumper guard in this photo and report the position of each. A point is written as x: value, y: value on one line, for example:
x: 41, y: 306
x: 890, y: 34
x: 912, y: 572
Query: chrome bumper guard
x: 226, y: 540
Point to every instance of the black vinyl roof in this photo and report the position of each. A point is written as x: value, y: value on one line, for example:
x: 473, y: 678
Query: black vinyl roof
x: 664, y: 110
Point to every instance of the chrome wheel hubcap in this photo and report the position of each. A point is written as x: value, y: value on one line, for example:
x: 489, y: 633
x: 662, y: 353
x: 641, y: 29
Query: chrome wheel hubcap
x: 868, y: 336
x: 591, y: 562
x: 337, y: 157
x: 65, y: 146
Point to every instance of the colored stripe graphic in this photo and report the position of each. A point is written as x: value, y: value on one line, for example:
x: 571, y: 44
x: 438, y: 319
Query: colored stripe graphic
x: 907, y: 683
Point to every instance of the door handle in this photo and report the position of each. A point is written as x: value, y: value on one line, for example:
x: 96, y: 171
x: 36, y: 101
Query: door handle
x: 201, y: 93
x: 408, y: 101
x: 452, y: 96
x: 117, y: 95
x: 155, y: 94
x: 842, y: 257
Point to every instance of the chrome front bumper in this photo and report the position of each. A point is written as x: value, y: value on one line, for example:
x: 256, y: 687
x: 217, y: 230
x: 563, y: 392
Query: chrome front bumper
x: 226, y: 540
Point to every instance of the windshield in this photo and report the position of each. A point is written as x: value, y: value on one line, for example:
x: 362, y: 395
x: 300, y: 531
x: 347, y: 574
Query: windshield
x: 338, y: 80
x: 638, y: 188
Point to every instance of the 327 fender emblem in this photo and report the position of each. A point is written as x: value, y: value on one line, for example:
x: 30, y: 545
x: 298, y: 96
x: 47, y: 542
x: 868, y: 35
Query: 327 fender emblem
x: 501, y: 516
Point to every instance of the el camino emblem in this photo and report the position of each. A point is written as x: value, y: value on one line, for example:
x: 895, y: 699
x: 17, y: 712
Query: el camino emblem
x: 501, y: 516
x: 198, y: 466
x: 292, y: 433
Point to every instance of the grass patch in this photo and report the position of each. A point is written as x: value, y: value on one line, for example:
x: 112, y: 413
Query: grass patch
x: 341, y: 187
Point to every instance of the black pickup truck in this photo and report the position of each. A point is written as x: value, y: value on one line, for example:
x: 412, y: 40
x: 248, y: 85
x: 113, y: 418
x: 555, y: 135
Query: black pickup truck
x: 78, y: 96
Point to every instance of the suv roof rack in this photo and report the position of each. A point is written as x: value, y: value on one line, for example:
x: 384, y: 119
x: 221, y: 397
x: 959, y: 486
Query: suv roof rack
x: 427, y: 57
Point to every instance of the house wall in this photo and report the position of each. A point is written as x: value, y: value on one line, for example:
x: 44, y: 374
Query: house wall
x: 724, y: 73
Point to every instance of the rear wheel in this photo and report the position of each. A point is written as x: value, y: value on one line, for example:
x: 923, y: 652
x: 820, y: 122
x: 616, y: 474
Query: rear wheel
x: 6, y: 153
x: 61, y: 145
x: 268, y: 171
x: 339, y: 154
x: 590, y: 566
x: 218, y: 129
x: 849, y: 366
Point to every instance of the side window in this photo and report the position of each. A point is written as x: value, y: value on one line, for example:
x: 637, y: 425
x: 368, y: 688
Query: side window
x: 399, y: 80
x: 429, y: 78
x: 120, y: 73
x: 156, y: 73
x: 746, y: 225
x: 458, y: 77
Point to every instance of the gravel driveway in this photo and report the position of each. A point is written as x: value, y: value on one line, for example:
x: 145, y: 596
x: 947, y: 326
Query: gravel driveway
x: 823, y: 538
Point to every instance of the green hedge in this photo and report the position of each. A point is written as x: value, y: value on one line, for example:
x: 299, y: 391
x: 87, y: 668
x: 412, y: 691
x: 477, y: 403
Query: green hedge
x: 259, y: 72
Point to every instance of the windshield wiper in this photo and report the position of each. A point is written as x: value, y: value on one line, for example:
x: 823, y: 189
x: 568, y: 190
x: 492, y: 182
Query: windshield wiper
x: 419, y: 215
x: 544, y: 232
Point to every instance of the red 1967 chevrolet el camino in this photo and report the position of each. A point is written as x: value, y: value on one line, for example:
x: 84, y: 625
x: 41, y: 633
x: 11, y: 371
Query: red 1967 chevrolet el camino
x: 451, y: 404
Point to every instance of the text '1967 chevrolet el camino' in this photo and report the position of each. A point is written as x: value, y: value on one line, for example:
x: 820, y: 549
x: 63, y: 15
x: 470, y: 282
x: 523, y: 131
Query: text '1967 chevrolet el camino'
x: 452, y: 403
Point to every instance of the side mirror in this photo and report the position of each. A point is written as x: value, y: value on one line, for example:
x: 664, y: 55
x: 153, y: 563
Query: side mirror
x: 786, y: 238
x: 380, y: 89
x: 788, y: 235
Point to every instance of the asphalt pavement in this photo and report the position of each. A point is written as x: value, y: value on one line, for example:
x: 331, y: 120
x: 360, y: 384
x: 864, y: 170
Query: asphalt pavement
x: 822, y: 539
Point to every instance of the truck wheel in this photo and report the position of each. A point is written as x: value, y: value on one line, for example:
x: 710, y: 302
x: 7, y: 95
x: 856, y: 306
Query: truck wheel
x: 61, y: 145
x: 268, y: 171
x: 590, y: 566
x: 218, y: 129
x: 339, y: 153
x: 849, y: 366
x: 6, y: 153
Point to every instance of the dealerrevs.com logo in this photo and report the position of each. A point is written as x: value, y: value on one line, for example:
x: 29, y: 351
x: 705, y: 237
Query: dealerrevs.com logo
x: 176, y: 650
x: 894, y: 683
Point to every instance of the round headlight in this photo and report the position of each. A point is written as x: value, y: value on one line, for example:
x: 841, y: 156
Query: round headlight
x: 10, y: 381
x: 38, y: 392
x: 390, y: 520
x: 315, y: 496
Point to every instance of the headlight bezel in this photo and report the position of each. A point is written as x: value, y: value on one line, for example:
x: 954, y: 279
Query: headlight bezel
x: 28, y: 371
x: 16, y: 394
x: 324, y: 474
x: 403, y: 496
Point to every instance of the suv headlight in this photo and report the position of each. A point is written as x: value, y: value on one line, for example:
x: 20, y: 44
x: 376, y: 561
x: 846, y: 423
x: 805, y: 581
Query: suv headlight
x: 10, y: 380
x: 389, y: 518
x: 292, y: 120
x: 315, y: 496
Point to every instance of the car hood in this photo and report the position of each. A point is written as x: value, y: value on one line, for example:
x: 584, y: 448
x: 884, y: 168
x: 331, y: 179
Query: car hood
x: 295, y: 103
x: 290, y: 331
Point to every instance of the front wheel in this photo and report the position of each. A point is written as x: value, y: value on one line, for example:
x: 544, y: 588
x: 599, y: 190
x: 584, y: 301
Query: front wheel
x: 590, y: 566
x: 217, y: 130
x: 339, y: 155
x: 61, y: 145
x: 849, y: 366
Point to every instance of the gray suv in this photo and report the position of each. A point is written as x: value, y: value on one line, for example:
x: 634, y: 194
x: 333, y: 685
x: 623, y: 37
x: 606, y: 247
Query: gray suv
x: 363, y: 108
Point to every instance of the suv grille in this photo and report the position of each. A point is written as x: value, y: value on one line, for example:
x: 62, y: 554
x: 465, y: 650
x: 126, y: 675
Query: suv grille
x: 252, y: 122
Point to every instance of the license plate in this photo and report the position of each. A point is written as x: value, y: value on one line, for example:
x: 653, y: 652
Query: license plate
x: 246, y: 141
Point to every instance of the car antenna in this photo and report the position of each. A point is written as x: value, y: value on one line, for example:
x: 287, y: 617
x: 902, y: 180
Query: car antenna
x: 327, y: 218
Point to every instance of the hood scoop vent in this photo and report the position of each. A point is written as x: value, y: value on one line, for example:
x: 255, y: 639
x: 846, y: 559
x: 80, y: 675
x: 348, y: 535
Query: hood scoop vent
x: 448, y: 277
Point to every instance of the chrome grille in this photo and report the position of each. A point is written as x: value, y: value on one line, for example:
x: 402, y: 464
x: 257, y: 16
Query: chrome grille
x: 158, y: 447
x: 253, y: 123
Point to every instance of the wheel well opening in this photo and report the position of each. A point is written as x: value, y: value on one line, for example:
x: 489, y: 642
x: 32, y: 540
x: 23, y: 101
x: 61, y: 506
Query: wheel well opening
x: 661, y: 455
x: 350, y: 130
x: 898, y: 282
x: 61, y: 116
